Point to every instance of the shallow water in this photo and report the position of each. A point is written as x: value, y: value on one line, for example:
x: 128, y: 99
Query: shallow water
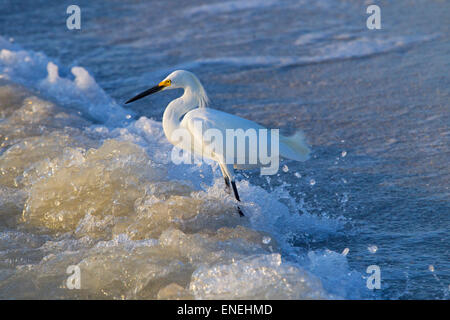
x: 86, y: 182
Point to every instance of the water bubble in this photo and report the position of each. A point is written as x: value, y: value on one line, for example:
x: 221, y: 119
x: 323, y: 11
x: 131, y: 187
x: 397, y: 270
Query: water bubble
x: 298, y: 175
x: 343, y: 154
x: 345, y: 251
x: 372, y: 248
x: 128, y: 116
x: 285, y: 168
x: 266, y: 240
x: 312, y: 182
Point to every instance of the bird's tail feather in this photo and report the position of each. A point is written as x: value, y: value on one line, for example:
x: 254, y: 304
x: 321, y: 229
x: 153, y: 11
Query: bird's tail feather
x: 294, y: 147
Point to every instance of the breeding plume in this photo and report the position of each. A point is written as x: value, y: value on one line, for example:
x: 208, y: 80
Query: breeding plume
x: 189, y: 109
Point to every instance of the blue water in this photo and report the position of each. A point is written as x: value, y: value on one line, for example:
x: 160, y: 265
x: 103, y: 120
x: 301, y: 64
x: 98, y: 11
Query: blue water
x: 374, y: 105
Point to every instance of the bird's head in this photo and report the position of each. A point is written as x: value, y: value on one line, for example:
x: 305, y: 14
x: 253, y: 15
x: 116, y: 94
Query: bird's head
x: 178, y: 79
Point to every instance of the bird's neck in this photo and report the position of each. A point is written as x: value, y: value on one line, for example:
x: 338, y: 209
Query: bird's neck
x: 176, y: 109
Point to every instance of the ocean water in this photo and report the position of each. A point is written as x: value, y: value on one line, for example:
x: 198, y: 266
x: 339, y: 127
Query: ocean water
x: 86, y: 181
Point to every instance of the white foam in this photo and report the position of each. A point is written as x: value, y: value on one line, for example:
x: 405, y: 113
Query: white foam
x: 231, y: 6
x: 256, y: 277
x: 37, y: 72
x: 358, y: 47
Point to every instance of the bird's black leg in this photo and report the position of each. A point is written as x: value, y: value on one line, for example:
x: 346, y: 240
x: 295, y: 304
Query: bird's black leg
x: 230, y: 184
x: 236, y: 195
x: 227, y: 185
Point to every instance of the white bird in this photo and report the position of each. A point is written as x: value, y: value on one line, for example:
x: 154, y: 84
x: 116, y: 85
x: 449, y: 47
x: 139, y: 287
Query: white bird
x: 183, y: 112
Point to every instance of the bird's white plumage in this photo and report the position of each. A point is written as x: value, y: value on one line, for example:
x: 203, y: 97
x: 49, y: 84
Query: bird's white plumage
x: 190, y: 108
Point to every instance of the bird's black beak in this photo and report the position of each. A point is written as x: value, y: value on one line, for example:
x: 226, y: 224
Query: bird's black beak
x: 141, y: 95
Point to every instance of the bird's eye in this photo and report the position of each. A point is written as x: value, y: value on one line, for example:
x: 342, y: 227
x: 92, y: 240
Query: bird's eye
x: 169, y: 82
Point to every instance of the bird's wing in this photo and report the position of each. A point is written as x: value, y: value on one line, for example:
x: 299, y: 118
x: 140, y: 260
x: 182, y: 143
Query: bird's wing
x: 206, y: 120
x: 215, y: 119
x: 293, y: 147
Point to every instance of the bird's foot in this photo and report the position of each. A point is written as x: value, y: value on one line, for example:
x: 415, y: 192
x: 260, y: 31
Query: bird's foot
x: 240, y: 212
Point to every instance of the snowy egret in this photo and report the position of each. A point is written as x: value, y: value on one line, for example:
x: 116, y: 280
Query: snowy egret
x: 185, y: 111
